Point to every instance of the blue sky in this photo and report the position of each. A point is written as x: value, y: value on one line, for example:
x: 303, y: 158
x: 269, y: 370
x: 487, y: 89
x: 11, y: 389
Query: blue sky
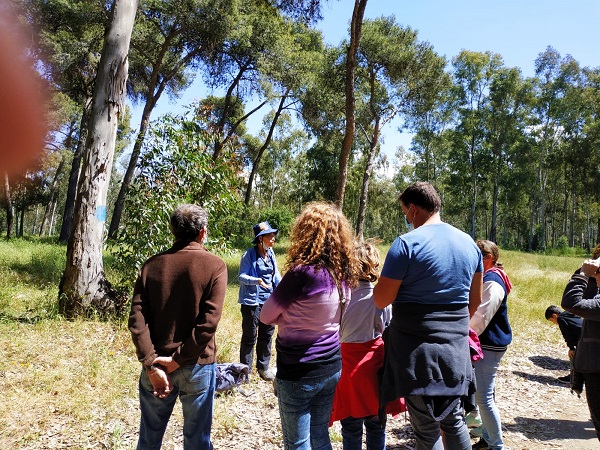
x: 518, y: 30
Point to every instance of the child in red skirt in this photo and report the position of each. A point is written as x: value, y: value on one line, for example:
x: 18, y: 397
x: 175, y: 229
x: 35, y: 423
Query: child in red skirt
x: 356, y: 401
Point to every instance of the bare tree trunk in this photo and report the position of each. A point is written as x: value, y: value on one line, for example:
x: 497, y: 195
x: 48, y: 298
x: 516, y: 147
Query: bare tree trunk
x: 364, y: 195
x: 543, y: 212
x: 35, y: 218
x: 494, y: 226
x: 65, y: 229
x: 155, y: 90
x: 355, y: 31
x: 373, y: 147
x: 51, y: 227
x: 588, y: 226
x: 52, y: 198
x: 262, y: 149
x: 21, y: 221
x: 84, y: 286
x: 9, y: 207
x: 135, y: 154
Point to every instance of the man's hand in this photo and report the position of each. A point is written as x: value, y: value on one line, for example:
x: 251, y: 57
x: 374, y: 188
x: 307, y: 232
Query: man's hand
x: 167, y: 362
x: 590, y: 267
x: 161, y: 381
x: 571, y: 354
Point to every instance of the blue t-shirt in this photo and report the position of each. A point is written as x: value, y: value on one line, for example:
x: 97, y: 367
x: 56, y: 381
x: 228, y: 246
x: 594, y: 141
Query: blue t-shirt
x: 435, y: 263
x: 265, y: 269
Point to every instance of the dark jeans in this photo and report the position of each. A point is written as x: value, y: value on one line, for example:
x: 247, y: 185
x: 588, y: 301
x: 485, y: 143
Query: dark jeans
x: 352, y: 431
x: 427, y: 429
x: 255, y: 332
x: 592, y: 394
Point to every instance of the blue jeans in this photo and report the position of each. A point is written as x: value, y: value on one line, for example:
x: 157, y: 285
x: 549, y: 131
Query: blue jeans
x: 485, y: 379
x: 195, y: 387
x: 352, y: 431
x: 427, y: 429
x: 304, y: 409
x: 254, y: 331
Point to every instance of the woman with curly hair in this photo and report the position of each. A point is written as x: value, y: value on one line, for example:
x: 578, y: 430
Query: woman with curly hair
x: 307, y: 307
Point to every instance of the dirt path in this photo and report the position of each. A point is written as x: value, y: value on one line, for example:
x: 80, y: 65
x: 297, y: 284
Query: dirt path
x: 538, y: 412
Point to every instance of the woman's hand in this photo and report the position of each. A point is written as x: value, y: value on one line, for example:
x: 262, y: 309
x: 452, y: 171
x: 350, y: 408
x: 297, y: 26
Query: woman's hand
x: 263, y: 285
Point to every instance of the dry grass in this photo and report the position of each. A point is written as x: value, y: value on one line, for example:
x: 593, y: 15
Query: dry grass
x: 73, y: 384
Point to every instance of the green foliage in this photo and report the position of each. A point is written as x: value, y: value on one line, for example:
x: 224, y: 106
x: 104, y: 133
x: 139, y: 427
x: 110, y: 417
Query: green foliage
x: 175, y: 168
x: 278, y: 217
x: 562, y: 243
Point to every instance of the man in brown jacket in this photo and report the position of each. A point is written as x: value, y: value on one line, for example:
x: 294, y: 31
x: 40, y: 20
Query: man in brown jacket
x: 177, y: 303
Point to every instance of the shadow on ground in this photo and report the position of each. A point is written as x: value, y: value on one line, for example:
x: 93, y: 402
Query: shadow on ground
x: 552, y: 429
x: 542, y: 379
x: 549, y: 363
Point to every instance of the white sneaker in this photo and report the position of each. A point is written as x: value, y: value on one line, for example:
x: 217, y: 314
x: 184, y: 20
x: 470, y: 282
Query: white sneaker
x: 266, y: 375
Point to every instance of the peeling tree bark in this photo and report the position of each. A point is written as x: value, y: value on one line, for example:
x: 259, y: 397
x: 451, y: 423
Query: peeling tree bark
x: 84, y: 287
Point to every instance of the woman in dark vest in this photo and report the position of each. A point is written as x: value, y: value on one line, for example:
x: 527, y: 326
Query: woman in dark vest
x: 490, y: 322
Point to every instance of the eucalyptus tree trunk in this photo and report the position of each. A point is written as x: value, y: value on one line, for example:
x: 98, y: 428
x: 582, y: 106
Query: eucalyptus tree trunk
x: 355, y: 31
x: 262, y: 149
x: 158, y: 83
x: 84, y: 287
x: 495, y: 194
x: 364, y: 194
x: 128, y: 177
x: 373, y: 147
x: 52, y: 199
x: 9, y: 206
x: 65, y: 229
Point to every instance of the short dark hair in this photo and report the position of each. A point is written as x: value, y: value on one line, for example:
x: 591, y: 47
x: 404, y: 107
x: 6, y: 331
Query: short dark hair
x: 551, y: 310
x: 421, y: 194
x: 187, y: 221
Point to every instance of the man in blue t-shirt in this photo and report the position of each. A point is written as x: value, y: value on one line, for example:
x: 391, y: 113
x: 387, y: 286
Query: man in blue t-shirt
x: 432, y: 276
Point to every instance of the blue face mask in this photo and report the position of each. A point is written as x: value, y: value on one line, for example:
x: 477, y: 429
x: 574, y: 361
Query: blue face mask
x: 410, y: 226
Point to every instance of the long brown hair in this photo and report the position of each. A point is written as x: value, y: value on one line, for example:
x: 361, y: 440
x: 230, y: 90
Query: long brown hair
x: 322, y: 237
x: 489, y: 248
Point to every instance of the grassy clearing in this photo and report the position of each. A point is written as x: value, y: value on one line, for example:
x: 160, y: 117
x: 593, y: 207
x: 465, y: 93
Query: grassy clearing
x: 74, y: 383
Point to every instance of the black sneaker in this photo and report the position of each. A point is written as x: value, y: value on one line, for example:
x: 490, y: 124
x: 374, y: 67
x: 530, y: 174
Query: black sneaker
x: 566, y: 379
x: 481, y: 443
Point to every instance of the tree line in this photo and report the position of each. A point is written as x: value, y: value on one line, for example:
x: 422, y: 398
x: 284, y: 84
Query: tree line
x: 514, y: 158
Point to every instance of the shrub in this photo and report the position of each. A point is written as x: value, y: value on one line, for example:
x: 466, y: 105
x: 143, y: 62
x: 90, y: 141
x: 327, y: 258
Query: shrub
x: 176, y: 168
x: 279, y: 217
